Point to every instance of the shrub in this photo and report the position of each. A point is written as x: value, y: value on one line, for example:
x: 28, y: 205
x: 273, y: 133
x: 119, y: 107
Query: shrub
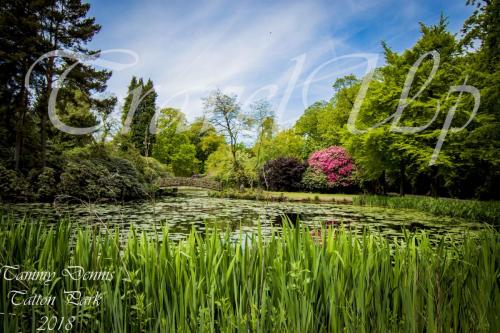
x: 102, y: 178
x: 282, y: 174
x: 184, y: 161
x: 45, y: 185
x: 219, y: 166
x: 8, y: 180
x: 336, y: 164
x: 13, y: 186
x: 102, y: 172
x: 314, y: 181
x: 154, y: 169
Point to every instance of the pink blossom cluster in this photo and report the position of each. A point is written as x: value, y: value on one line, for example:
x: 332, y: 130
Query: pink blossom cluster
x: 335, y: 163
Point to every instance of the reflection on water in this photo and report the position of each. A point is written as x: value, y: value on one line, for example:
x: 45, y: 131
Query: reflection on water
x: 194, y: 209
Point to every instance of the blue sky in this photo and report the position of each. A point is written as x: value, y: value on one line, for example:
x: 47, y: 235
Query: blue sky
x: 257, y: 49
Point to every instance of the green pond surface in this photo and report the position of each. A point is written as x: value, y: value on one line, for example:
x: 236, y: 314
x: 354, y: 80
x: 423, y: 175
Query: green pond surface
x: 195, y: 209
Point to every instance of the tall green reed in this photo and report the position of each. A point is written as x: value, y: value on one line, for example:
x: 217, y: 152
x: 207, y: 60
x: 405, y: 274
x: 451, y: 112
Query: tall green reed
x: 298, y: 281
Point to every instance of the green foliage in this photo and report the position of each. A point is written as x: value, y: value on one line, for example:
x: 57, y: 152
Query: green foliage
x: 262, y: 119
x: 205, y: 139
x: 100, y: 172
x: 308, y: 126
x: 323, y: 280
x: 185, y: 148
x: 75, y: 110
x: 314, y: 180
x: 9, y: 184
x: 220, y: 166
x: 225, y: 114
x: 287, y: 143
x: 46, y: 185
x: 97, y: 179
x: 184, y: 162
x: 141, y: 103
x: 467, y: 165
x: 151, y: 169
x: 170, y: 135
x: 477, y: 152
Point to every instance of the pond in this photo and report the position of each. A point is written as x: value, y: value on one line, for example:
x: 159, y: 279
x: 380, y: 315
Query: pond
x: 195, y: 209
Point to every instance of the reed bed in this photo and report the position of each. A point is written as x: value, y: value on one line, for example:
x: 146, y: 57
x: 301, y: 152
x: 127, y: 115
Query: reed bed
x: 297, y: 281
x: 485, y: 211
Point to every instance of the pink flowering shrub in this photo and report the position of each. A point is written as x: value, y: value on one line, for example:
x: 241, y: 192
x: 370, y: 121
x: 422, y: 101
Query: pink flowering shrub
x: 336, y: 164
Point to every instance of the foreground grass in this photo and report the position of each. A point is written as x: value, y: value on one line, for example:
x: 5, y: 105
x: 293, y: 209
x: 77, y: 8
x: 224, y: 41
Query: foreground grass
x: 484, y: 211
x: 295, y: 282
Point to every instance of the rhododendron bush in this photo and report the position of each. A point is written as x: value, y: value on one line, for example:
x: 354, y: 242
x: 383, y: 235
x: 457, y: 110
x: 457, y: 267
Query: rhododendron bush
x: 336, y: 164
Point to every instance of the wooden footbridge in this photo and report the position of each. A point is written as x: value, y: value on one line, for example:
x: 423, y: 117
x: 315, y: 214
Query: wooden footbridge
x: 189, y: 181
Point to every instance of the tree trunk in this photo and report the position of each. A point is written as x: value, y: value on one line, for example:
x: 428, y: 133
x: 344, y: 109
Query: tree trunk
x: 53, y: 39
x: 19, y: 139
x: 383, y: 183
x: 19, y: 142
x: 434, y: 181
x: 233, y: 153
x: 402, y: 180
x: 235, y: 162
x: 44, y: 110
x: 43, y: 137
x: 146, y: 143
x: 21, y: 112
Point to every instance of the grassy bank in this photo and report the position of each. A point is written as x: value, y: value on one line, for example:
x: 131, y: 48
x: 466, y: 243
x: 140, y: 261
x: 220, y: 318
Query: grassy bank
x: 484, y: 211
x: 284, y: 196
x: 307, y: 196
x: 291, y: 283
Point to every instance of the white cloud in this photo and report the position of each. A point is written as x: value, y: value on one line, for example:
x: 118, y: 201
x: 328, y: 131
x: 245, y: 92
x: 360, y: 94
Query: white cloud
x: 245, y: 47
x: 192, y: 47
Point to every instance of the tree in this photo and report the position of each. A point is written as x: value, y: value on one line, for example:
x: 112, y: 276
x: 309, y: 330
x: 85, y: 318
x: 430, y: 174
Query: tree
x: 482, y: 26
x: 76, y: 112
x: 133, y: 88
x: 332, y: 118
x: 30, y: 29
x: 480, y: 142
x: 219, y: 165
x: 20, y: 46
x: 138, y: 112
x: 65, y: 25
x: 104, y: 109
x: 176, y: 140
x: 407, y: 155
x: 184, y: 162
x: 262, y: 118
x: 225, y: 114
x: 323, y: 123
x: 205, y: 139
x: 171, y: 135
x: 308, y: 126
x: 286, y: 143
